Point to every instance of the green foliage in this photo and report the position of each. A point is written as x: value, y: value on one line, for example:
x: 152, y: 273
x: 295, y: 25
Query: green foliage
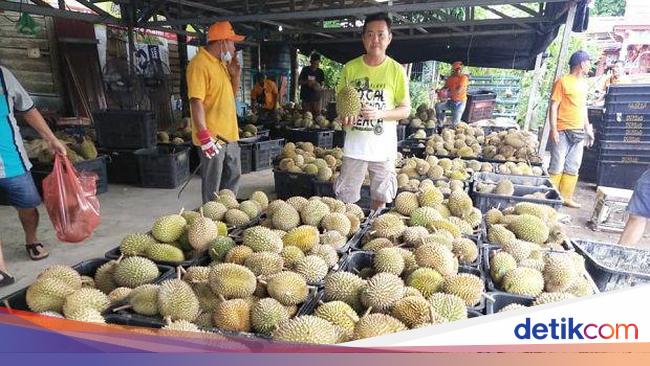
x: 609, y: 7
x: 419, y: 92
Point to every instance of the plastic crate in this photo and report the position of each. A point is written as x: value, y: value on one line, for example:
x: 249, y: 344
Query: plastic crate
x: 628, y: 120
x: 410, y: 148
x: 480, y: 105
x: 357, y: 260
x: 122, y: 166
x: 613, y: 266
x: 318, y: 137
x: 125, y: 129
x: 17, y: 301
x: 486, y: 201
x: 502, y: 299
x: 620, y: 174
x: 246, y: 157
x: 264, y: 152
x: 263, y: 132
x: 293, y: 184
x: 623, y: 137
x: 339, y: 138
x: 638, y: 89
x: 163, y: 167
x: 401, y: 132
x: 524, y: 180
x: 193, y: 259
x: 632, y: 107
x: 627, y: 129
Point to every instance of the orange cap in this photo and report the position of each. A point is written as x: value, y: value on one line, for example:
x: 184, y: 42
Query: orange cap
x: 223, y: 31
x: 457, y: 65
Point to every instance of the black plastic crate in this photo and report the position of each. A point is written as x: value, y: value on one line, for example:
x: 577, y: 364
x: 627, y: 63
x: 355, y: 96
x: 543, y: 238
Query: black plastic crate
x: 264, y: 152
x: 88, y: 267
x: 194, y: 153
x: 339, y: 138
x: 639, y: 89
x: 486, y: 201
x: 627, y: 129
x: 125, y: 129
x: 632, y: 107
x: 355, y: 261
x: 503, y: 299
x: 263, y: 132
x: 620, y: 174
x: 628, y: 120
x: 115, y: 253
x: 246, y: 157
x: 622, y: 137
x: 589, y: 168
x: 293, y: 184
x: 410, y: 148
x: 401, y: 132
x: 524, y: 180
x: 319, y: 137
x: 122, y: 166
x: 613, y: 266
x: 163, y: 166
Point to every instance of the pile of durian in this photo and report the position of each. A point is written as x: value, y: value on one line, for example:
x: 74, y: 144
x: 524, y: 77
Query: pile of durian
x: 413, y: 172
x: 512, y: 145
x: 463, y: 141
x: 78, y: 150
x: 422, y: 117
x: 303, y: 157
x: 179, y: 237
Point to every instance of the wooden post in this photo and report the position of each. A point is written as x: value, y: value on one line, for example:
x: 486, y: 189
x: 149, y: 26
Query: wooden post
x: 293, y: 90
x: 126, y: 11
x: 561, y: 60
x: 532, y: 95
x: 182, y: 59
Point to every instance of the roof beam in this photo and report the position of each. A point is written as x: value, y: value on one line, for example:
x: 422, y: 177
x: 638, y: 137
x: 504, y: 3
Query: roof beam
x: 96, y: 9
x: 502, y: 14
x: 58, y: 13
x: 340, y: 12
x: 526, y: 9
x: 430, y: 36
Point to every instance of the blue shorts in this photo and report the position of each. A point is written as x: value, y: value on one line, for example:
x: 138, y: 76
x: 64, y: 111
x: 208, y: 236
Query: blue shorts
x: 640, y: 202
x: 20, y: 191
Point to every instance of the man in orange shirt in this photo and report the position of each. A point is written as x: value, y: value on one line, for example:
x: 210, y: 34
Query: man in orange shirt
x: 213, y: 77
x: 455, y: 90
x: 569, y: 127
x: 264, y: 96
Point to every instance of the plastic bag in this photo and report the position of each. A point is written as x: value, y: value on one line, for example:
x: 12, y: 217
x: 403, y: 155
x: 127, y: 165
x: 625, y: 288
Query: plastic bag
x: 71, y: 201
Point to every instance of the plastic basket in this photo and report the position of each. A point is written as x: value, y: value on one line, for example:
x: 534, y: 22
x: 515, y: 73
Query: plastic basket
x: 618, y: 174
x: 293, y: 184
x: 98, y: 166
x: 246, y: 157
x: 319, y: 137
x: 163, y: 167
x: 264, y: 152
x: 125, y: 129
x: 122, y: 166
x: 613, y: 266
x: 486, y: 201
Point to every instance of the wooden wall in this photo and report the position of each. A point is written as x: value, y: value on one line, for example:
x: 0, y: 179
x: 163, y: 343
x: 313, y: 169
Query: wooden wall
x: 38, y: 75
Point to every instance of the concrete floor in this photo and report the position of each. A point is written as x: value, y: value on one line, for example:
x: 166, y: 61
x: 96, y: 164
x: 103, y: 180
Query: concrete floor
x: 127, y: 209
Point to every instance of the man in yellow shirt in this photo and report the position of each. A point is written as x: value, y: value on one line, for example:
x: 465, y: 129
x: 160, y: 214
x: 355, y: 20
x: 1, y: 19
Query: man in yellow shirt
x: 371, y: 141
x: 213, y: 76
x: 264, y: 96
x: 570, y: 128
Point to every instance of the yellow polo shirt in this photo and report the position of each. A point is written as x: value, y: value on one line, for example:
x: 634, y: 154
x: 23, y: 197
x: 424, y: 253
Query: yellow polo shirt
x: 209, y: 81
x: 571, y: 93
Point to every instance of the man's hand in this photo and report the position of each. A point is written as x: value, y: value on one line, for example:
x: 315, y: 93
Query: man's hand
x: 208, y: 147
x: 234, y: 68
x: 373, y: 113
x: 347, y: 121
x: 589, y: 135
x: 56, y: 146
x: 555, y: 136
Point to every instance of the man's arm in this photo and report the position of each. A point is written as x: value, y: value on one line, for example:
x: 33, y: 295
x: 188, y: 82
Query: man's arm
x: 302, y: 78
x: 35, y: 119
x: 234, y: 69
x: 198, y: 114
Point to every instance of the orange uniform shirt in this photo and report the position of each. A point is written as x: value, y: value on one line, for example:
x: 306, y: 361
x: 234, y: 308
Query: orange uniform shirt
x: 571, y: 93
x: 453, y: 83
x: 270, y: 91
x: 209, y: 80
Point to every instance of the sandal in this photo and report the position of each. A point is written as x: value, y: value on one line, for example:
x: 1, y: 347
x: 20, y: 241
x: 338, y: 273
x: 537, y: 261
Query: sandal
x: 34, y: 253
x: 6, y: 279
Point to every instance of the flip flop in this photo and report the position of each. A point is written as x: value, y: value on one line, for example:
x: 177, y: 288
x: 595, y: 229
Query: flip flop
x: 6, y: 279
x: 34, y: 254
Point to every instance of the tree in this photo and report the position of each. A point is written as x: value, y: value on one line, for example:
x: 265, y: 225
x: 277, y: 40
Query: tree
x: 609, y: 7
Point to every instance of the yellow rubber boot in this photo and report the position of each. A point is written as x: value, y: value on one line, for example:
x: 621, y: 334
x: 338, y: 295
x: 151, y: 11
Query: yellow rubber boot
x: 567, y: 187
x: 555, y: 179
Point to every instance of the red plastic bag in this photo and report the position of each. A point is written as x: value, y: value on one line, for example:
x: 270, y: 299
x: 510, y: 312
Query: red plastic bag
x: 71, y: 201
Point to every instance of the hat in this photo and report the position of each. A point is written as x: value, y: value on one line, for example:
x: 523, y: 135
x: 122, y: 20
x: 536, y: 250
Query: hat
x: 578, y: 57
x: 223, y: 31
x: 457, y: 65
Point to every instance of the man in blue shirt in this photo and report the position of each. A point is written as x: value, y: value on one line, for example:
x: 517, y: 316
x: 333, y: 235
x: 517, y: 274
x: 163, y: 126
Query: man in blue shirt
x: 15, y: 178
x: 639, y: 210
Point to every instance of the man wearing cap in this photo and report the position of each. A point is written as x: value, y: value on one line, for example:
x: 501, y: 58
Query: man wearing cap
x: 455, y: 90
x: 570, y: 129
x: 265, y: 96
x: 213, y: 77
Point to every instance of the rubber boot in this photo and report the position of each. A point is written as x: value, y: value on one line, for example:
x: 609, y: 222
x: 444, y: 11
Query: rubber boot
x: 567, y: 187
x: 555, y: 179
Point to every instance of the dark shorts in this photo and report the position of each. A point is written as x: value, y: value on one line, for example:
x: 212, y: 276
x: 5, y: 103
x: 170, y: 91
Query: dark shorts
x: 20, y: 191
x: 640, y: 202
